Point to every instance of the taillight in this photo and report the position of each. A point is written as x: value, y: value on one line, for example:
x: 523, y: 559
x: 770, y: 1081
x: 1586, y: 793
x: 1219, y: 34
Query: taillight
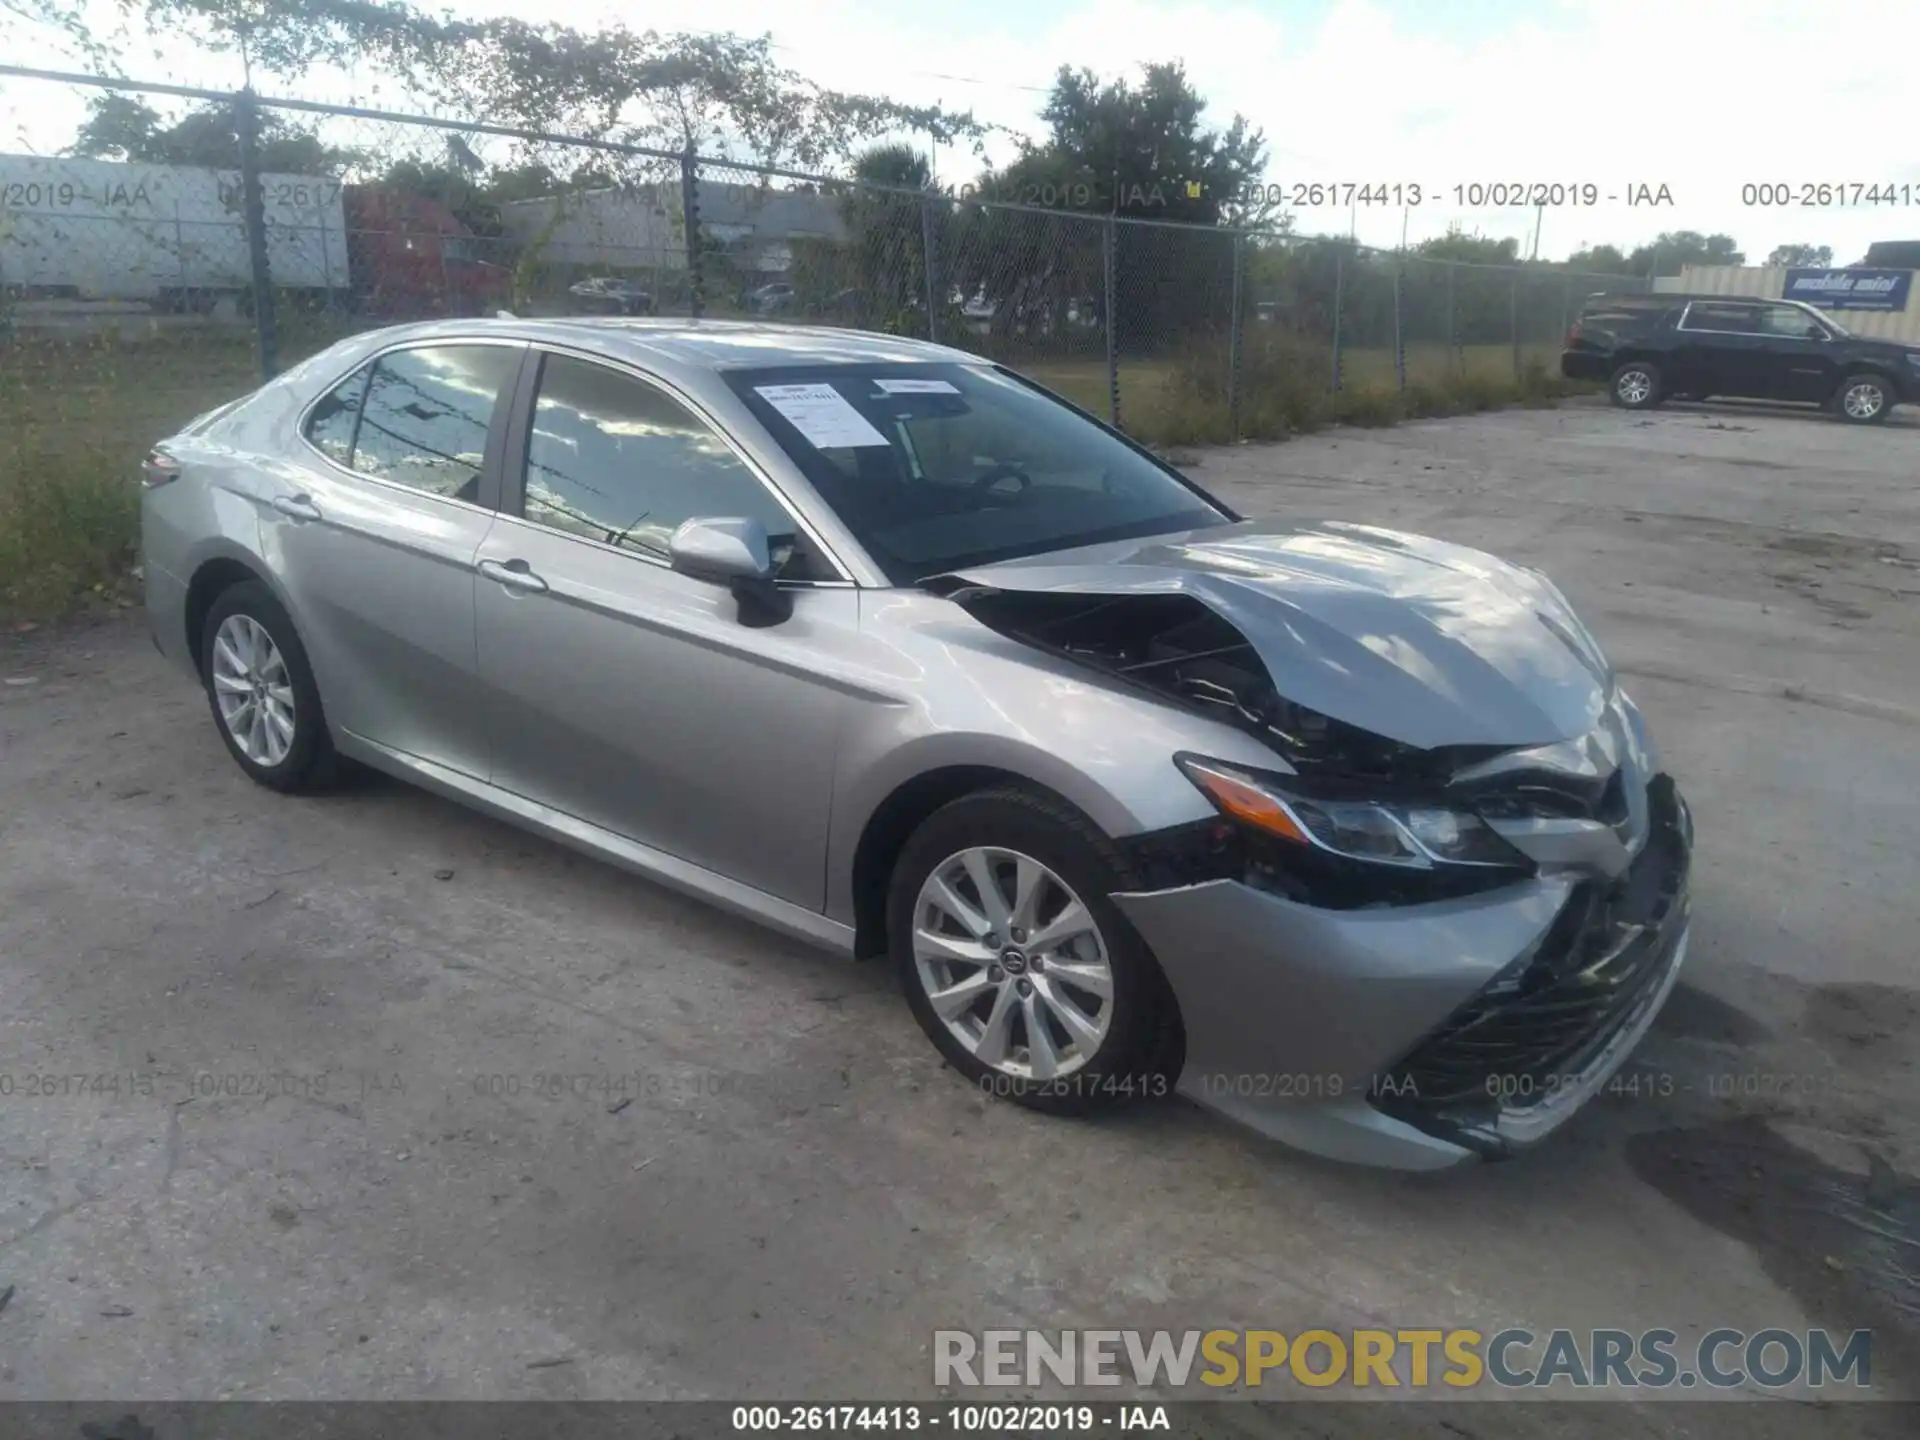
x: 1574, y: 333
x: 158, y: 468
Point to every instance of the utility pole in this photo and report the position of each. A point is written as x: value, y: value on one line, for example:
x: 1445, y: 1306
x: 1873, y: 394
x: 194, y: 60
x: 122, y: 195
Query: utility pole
x: 1539, y: 215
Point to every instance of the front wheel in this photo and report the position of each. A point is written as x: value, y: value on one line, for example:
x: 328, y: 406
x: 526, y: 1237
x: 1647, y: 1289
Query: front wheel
x: 1016, y: 963
x: 1863, y: 399
x: 1635, y: 385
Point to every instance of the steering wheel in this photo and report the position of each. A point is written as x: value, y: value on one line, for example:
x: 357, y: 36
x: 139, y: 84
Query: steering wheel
x: 1001, y: 472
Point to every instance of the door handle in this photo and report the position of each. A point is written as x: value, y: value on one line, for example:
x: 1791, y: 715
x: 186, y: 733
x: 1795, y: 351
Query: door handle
x: 297, y: 507
x: 513, y: 574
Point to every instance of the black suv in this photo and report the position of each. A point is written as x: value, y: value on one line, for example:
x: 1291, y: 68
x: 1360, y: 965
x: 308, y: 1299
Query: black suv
x: 1650, y: 348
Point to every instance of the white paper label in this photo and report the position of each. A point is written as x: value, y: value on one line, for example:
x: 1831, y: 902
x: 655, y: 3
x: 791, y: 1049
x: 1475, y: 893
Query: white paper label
x: 822, y: 415
x: 917, y: 387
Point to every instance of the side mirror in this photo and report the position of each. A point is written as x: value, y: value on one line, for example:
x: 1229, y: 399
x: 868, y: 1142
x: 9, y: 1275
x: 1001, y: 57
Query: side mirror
x: 732, y: 551
x: 1815, y: 332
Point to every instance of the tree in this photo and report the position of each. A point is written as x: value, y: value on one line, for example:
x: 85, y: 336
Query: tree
x: 884, y: 258
x: 1115, y: 149
x: 119, y: 127
x: 1673, y: 249
x: 1470, y: 247
x: 1600, y: 260
x: 724, y: 95
x: 1817, y: 256
x: 1139, y: 150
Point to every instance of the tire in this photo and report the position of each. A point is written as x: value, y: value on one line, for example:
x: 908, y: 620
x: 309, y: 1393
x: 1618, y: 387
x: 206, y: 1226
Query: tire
x: 294, y: 757
x: 1100, y: 1050
x: 1854, y: 402
x: 1635, y: 385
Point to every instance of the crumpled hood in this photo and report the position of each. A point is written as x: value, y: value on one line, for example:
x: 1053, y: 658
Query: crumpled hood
x: 1413, y: 639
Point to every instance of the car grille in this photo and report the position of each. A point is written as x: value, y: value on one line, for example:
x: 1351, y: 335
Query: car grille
x: 1519, y: 1041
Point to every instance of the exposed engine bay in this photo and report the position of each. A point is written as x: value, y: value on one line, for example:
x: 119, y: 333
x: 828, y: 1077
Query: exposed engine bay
x: 1175, y: 646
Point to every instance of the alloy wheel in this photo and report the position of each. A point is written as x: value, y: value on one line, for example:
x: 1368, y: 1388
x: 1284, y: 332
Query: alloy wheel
x: 253, y: 689
x: 1634, y: 387
x: 1013, y: 963
x: 1863, y: 401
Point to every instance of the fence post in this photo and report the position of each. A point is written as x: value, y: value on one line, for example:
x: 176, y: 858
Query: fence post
x: 1513, y: 318
x: 690, y: 214
x: 1453, y: 344
x: 1111, y: 256
x: 253, y: 210
x: 1399, y: 335
x: 1233, y: 334
x: 1339, y: 284
x: 930, y: 256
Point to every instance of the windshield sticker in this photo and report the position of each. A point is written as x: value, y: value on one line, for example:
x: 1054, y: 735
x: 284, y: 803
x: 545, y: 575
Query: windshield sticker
x: 917, y: 387
x: 822, y: 416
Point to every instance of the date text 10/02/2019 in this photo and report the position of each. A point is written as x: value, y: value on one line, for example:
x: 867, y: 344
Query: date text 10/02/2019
x: 961, y: 1419
x: 1134, y: 196
x: 1465, y: 195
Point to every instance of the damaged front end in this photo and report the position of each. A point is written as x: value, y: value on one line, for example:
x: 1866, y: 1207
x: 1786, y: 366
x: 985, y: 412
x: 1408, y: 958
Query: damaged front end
x: 1462, y: 938
x: 1177, y: 647
x: 1355, y: 818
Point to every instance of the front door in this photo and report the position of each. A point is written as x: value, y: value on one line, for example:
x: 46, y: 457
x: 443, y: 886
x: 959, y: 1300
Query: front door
x: 1800, y: 354
x: 375, y: 538
x: 633, y: 697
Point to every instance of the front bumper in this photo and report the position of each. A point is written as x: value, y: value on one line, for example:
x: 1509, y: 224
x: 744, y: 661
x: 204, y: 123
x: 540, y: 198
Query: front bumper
x: 1420, y: 1036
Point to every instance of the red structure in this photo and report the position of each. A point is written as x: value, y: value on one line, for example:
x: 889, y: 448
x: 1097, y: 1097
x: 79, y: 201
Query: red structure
x: 411, y: 256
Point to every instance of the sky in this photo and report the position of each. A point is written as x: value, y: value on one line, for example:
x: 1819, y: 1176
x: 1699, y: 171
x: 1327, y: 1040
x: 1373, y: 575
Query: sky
x: 1696, y: 98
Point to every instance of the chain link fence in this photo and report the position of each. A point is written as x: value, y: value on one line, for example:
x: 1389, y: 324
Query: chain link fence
x: 247, y: 232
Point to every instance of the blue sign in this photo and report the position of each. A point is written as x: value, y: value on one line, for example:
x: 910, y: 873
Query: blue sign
x: 1850, y: 289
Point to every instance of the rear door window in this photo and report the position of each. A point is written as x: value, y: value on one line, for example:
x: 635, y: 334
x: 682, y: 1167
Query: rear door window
x: 1786, y: 322
x: 426, y: 414
x: 1724, y: 318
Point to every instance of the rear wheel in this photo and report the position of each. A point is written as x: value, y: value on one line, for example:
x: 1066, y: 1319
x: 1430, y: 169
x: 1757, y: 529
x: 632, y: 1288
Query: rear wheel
x: 1635, y: 385
x: 1016, y: 963
x: 1863, y: 399
x: 262, y: 692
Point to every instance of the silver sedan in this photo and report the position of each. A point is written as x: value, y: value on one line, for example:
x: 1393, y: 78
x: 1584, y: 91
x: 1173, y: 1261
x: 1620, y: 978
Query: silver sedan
x: 1347, y: 833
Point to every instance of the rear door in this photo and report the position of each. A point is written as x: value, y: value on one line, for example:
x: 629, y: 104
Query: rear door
x: 633, y: 697
x: 1719, y: 350
x: 374, y: 537
x: 1800, y: 354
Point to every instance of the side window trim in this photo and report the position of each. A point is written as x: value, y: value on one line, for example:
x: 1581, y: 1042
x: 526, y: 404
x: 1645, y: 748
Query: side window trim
x: 1755, y: 309
x: 519, y: 436
x: 491, y: 493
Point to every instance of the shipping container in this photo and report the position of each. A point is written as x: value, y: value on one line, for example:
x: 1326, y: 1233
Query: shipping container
x: 173, y: 236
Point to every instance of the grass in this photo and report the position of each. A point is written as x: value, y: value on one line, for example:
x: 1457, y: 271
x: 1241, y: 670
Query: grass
x: 78, y: 414
x: 1286, y: 388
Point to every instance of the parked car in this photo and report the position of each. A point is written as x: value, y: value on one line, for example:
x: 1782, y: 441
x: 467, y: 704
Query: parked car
x: 613, y: 294
x: 775, y: 298
x: 1651, y: 348
x: 1350, y: 834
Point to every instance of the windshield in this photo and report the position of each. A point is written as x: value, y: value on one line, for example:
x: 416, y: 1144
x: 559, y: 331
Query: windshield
x: 938, y: 467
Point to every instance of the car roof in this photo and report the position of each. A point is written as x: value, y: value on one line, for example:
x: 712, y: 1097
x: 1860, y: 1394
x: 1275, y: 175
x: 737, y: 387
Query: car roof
x: 695, y: 344
x: 1661, y: 298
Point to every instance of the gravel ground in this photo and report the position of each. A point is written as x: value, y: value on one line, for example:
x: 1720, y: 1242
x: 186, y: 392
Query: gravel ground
x: 340, y: 1163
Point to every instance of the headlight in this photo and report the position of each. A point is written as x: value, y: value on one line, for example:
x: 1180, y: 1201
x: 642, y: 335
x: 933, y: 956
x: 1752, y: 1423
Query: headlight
x: 1417, y: 836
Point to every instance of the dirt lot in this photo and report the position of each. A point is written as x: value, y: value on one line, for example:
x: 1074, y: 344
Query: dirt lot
x: 334, y: 1167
